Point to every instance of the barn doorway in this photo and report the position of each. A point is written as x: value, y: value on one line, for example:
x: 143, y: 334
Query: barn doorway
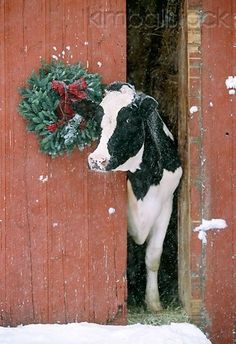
x: 153, y: 39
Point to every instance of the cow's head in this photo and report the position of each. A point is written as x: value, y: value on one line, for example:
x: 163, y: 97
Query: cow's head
x: 123, y: 114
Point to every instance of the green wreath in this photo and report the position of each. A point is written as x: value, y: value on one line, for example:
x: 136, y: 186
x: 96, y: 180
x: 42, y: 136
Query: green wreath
x: 59, y: 104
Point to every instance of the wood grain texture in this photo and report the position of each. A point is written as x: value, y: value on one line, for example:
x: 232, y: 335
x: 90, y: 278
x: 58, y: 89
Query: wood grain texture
x: 219, y: 142
x: 63, y: 257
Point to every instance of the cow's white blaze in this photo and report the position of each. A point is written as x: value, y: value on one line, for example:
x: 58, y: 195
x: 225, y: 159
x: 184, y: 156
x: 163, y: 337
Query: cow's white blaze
x: 111, y: 104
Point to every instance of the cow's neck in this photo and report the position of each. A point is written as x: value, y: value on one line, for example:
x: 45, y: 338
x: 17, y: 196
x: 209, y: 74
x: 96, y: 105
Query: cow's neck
x: 159, y: 154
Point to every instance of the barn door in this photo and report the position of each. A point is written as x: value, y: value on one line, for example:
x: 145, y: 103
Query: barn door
x: 62, y: 253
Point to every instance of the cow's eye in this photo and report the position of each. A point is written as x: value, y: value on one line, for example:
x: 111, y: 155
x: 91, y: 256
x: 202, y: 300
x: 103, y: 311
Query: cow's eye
x: 128, y: 120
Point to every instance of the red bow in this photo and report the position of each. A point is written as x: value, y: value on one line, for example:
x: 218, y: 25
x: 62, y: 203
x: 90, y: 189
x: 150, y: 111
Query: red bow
x: 69, y: 94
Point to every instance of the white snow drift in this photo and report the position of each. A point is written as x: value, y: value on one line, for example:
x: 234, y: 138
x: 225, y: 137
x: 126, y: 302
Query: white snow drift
x: 85, y: 333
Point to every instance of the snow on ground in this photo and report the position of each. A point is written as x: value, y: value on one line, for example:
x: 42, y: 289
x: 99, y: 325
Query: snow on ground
x: 85, y: 333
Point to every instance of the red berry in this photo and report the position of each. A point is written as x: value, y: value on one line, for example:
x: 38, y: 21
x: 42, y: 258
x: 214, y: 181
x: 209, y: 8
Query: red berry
x: 83, y: 83
x: 52, y: 127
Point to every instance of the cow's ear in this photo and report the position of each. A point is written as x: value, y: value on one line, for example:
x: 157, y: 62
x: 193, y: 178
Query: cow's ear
x: 147, y: 105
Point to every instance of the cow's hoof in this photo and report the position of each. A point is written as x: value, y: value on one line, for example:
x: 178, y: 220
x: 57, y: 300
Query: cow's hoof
x: 154, y: 307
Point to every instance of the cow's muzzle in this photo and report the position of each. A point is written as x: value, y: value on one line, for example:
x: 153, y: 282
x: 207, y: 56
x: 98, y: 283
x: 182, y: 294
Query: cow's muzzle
x: 97, y: 163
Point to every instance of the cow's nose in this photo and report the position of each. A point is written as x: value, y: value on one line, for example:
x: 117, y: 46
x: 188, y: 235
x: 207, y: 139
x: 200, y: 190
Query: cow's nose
x: 97, y: 163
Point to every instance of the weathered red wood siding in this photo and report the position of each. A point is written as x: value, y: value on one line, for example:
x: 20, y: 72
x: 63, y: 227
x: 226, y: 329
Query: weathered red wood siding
x: 208, y: 285
x: 62, y: 255
x: 219, y: 144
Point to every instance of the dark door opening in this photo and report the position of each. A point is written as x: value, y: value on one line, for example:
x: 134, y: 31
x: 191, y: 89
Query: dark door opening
x: 153, y: 36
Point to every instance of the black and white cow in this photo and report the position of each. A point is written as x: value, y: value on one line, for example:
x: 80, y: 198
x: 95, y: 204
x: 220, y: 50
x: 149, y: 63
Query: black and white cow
x: 135, y: 139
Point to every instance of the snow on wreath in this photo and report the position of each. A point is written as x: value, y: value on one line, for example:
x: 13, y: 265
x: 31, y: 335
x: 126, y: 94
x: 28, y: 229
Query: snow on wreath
x: 59, y: 104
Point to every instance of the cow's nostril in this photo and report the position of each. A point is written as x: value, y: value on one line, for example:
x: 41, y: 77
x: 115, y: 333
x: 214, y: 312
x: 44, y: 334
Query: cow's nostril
x: 103, y: 162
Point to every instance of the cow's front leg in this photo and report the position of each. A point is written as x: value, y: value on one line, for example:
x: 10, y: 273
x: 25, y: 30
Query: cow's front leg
x: 153, y: 257
x: 152, y: 297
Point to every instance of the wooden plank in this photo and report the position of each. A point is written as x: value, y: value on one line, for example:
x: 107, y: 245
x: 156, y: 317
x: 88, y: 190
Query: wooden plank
x: 118, y: 196
x: 108, y: 250
x: 35, y: 166
x: 4, y: 305
x: 18, y: 255
x: 233, y: 134
x: 55, y: 191
x: 219, y: 143
x: 77, y: 291
x: 106, y: 55
x: 67, y: 188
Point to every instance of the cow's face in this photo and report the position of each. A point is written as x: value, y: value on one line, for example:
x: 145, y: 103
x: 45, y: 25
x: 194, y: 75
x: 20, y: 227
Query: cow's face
x: 122, y: 138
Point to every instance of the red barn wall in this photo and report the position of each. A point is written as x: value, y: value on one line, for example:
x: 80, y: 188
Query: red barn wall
x: 62, y: 255
x: 207, y: 272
